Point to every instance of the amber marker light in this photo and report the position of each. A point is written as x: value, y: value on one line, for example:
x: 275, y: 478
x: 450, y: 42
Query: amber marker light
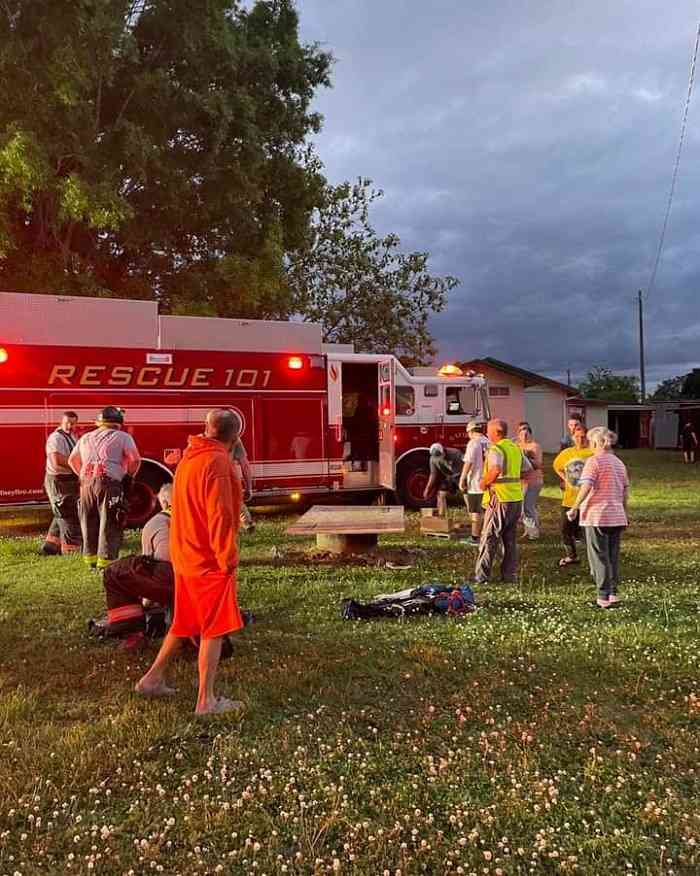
x: 451, y: 371
x: 295, y: 363
x: 295, y: 497
x: 4, y: 355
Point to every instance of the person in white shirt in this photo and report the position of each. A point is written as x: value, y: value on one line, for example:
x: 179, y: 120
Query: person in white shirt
x: 62, y: 488
x: 102, y: 459
x: 469, y: 482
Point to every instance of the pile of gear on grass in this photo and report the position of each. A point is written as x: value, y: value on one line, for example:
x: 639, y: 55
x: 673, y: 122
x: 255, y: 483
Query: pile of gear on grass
x: 429, y: 599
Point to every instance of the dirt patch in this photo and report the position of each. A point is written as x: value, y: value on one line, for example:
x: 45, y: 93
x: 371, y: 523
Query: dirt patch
x: 391, y: 558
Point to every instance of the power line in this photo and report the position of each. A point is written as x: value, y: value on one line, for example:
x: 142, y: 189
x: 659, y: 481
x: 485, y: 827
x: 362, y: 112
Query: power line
x: 674, y: 177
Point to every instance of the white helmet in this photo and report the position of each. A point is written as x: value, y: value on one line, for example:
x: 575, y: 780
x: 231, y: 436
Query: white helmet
x: 437, y: 450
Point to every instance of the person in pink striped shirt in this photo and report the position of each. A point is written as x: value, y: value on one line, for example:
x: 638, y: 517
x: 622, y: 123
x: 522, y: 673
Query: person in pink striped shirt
x: 602, y: 507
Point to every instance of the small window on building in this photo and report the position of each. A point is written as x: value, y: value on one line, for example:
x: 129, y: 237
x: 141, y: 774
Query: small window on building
x: 499, y: 390
x: 405, y: 401
x: 430, y: 390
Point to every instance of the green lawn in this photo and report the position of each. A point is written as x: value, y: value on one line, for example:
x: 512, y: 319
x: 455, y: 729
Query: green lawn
x: 536, y: 736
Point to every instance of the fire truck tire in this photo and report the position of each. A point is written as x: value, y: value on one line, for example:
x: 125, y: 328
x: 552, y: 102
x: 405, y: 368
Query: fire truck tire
x: 143, y: 498
x: 412, y: 477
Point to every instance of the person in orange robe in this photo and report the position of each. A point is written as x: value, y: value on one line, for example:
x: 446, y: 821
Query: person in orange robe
x: 204, y: 549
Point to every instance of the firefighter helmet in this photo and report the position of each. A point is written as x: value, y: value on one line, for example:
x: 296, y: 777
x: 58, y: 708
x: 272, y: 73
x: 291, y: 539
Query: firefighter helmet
x: 437, y: 450
x: 111, y: 415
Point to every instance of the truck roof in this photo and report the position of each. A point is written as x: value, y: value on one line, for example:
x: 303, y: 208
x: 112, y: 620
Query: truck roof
x: 75, y: 321
x: 406, y: 376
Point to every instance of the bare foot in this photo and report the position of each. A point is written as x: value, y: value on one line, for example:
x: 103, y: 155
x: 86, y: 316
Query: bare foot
x: 221, y: 706
x: 160, y: 689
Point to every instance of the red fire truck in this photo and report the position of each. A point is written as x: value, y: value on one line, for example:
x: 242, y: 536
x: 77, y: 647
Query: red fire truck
x: 317, y: 419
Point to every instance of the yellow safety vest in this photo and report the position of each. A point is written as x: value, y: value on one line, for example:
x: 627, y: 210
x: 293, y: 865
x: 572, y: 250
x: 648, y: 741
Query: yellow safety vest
x: 508, y: 486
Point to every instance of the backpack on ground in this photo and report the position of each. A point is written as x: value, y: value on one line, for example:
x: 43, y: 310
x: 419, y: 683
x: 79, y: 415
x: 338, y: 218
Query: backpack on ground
x: 429, y: 599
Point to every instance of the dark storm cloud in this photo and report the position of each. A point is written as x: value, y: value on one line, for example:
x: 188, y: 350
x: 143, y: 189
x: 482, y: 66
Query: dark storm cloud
x: 529, y: 148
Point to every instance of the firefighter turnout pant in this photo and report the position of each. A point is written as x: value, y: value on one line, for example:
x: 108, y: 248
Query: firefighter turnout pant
x: 101, y: 520
x: 64, y: 535
x: 127, y: 582
x: 500, y: 529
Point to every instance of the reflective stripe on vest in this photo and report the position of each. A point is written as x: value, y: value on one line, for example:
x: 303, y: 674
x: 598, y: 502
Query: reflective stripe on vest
x: 508, y: 486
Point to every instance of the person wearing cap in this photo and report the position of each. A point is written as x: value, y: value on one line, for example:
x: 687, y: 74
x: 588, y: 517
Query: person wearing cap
x: 445, y: 468
x: 501, y: 482
x: 204, y: 548
x: 62, y: 488
x: 102, y: 459
x: 469, y: 482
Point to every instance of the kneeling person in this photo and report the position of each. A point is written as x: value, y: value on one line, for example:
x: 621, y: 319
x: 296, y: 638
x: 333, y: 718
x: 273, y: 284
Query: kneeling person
x: 131, y: 580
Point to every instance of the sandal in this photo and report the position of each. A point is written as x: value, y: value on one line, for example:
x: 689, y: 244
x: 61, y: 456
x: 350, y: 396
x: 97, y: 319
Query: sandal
x: 568, y: 561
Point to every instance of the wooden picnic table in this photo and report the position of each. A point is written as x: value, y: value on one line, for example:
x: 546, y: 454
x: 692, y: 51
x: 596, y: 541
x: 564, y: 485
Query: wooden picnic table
x: 353, y: 529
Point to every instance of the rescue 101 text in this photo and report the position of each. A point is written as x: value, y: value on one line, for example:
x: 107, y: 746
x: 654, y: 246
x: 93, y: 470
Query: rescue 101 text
x: 159, y: 376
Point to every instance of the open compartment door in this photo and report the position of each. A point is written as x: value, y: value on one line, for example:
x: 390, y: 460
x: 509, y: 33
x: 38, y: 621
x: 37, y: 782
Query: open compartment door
x: 387, y: 425
x: 335, y: 398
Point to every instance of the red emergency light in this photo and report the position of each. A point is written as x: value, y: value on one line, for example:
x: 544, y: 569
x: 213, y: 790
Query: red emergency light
x: 295, y: 363
x: 386, y: 412
x: 4, y: 355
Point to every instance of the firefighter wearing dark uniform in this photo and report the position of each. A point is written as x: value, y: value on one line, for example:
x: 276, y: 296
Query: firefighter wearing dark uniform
x: 102, y: 459
x: 445, y: 468
x: 62, y: 488
x: 149, y: 576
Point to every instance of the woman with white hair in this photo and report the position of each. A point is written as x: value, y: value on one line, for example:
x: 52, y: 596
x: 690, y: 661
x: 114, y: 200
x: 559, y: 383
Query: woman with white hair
x: 601, y: 504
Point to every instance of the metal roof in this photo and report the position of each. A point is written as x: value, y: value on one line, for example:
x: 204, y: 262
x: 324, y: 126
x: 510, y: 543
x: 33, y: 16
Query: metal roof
x: 530, y: 378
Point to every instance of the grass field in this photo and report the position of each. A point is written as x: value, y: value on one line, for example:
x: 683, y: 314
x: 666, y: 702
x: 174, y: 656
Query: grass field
x: 537, y: 736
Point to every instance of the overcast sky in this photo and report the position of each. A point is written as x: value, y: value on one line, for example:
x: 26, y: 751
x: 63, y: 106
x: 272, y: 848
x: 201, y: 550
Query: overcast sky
x: 529, y: 147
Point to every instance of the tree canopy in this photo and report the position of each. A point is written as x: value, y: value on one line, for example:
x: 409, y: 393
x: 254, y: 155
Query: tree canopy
x: 359, y: 285
x: 669, y: 390
x: 148, y: 150
x: 160, y: 149
x: 601, y: 383
x: 684, y: 386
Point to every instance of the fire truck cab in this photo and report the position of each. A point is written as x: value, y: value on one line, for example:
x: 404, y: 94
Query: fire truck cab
x: 317, y: 418
x: 388, y: 418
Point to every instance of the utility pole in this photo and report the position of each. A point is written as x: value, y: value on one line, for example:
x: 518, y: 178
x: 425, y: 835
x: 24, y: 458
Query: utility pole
x: 642, y: 378
x: 568, y: 376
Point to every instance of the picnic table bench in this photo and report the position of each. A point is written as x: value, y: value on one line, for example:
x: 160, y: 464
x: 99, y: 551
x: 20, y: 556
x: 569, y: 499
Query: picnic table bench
x: 345, y: 530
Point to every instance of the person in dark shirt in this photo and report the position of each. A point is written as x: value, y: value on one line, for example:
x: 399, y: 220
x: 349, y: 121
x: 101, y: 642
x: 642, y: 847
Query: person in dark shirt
x: 445, y: 470
x: 689, y: 442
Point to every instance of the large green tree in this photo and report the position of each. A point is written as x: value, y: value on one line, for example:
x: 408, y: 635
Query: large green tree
x: 156, y: 148
x: 602, y: 383
x: 670, y: 389
x: 359, y: 284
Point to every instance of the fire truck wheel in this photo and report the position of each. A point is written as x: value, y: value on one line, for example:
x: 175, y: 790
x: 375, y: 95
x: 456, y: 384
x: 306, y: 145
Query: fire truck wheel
x: 143, y: 498
x: 412, y: 479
